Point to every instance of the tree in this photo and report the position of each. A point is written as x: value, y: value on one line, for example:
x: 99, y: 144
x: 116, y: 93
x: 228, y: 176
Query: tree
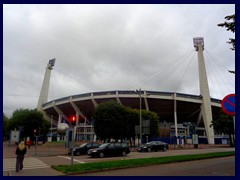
x: 132, y: 119
x: 230, y: 25
x: 223, y: 123
x: 109, y: 121
x: 5, y: 127
x: 114, y: 121
x: 27, y: 120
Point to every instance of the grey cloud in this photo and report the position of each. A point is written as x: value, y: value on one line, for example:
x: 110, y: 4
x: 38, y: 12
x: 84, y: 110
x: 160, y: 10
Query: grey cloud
x: 107, y: 47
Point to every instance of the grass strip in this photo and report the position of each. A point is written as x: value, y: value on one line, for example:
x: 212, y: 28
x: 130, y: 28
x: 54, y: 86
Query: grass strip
x: 128, y: 163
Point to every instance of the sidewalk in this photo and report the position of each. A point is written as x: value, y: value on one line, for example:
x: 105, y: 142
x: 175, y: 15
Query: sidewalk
x: 42, y: 150
x: 34, y: 172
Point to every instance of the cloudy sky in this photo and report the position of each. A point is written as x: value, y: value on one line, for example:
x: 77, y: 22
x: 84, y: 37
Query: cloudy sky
x: 112, y: 47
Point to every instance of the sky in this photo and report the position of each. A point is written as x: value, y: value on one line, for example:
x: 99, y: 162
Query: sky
x: 106, y: 47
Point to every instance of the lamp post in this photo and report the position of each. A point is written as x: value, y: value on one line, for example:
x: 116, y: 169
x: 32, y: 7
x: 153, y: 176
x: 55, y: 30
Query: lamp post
x: 140, y: 114
x: 51, y: 126
x: 62, y: 128
x: 72, y: 145
x: 73, y: 124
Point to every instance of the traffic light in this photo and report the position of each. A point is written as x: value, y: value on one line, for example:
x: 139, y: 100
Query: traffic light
x: 35, y: 132
x: 73, y: 120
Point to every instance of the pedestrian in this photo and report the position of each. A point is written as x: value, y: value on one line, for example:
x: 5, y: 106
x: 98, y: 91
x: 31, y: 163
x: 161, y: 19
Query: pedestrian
x: 20, y: 152
x: 29, y: 143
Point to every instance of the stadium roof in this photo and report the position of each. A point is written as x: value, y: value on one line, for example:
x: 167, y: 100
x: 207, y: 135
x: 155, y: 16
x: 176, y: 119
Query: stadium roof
x: 188, y: 106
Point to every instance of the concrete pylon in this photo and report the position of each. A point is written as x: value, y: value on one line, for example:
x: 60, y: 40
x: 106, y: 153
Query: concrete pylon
x: 45, y: 86
x: 204, y: 90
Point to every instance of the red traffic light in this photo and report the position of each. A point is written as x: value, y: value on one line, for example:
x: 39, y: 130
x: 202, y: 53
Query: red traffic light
x: 72, y: 118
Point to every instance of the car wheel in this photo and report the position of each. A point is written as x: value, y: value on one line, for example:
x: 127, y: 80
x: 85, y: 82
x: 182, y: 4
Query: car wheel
x: 149, y: 150
x: 124, y: 153
x: 101, y: 155
x: 164, y: 148
x: 78, y: 153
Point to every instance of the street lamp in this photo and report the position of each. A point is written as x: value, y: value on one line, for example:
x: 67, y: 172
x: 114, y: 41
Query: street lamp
x: 140, y: 114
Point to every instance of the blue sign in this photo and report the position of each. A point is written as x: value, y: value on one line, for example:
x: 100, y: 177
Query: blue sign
x: 228, y: 104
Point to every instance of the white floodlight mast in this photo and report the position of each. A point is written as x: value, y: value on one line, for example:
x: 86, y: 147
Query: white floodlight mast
x: 206, y: 109
x: 45, y: 86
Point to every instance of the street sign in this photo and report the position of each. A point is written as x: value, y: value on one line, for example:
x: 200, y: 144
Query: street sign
x: 145, y: 127
x: 228, y: 104
x: 14, y: 136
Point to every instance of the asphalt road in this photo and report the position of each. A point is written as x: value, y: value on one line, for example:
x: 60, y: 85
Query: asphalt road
x: 66, y: 159
x: 40, y: 164
x: 209, y: 167
x: 137, y: 155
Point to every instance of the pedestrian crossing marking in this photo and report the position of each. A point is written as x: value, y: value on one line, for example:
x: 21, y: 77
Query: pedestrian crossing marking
x: 9, y: 164
x: 66, y: 157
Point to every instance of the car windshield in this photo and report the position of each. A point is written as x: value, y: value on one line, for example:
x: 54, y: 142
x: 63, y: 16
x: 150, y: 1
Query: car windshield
x: 148, y: 143
x: 82, y: 145
x: 104, y: 145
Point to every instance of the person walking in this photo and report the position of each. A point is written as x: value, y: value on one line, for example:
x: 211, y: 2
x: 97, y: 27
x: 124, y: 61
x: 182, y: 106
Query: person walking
x: 29, y: 143
x: 20, y: 152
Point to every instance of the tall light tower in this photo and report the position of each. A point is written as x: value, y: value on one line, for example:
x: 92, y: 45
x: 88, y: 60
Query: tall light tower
x: 45, y: 86
x: 206, y: 109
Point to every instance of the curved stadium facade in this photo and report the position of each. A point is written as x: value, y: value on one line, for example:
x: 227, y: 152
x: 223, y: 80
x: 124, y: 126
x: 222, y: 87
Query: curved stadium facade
x: 188, y: 109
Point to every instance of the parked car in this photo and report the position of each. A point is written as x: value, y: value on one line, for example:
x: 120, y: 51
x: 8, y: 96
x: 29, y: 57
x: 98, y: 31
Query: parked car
x: 83, y: 148
x: 110, y: 149
x: 153, y: 146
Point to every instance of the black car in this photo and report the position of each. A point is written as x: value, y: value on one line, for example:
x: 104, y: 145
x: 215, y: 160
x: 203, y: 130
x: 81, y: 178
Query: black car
x: 83, y: 148
x: 110, y: 149
x: 153, y: 146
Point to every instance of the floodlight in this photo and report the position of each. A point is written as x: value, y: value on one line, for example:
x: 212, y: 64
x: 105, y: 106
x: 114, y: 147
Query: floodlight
x: 52, y: 62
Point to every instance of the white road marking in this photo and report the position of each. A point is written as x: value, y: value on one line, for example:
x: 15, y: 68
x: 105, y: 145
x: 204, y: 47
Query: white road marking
x: 69, y: 158
x: 9, y: 164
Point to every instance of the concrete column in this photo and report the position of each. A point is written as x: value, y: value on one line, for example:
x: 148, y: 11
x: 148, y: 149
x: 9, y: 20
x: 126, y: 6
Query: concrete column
x: 93, y: 100
x: 60, y: 113
x: 146, y: 101
x: 77, y: 110
x: 175, y: 116
x: 59, y: 118
x: 204, y: 90
x: 118, y: 99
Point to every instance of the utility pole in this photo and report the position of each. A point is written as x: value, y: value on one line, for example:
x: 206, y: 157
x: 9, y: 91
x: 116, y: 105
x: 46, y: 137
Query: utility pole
x: 73, y: 124
x: 140, y: 114
x: 72, y: 145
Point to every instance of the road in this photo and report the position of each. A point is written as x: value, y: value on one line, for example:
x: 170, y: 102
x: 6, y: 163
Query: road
x: 209, y: 167
x: 40, y: 164
x: 64, y: 159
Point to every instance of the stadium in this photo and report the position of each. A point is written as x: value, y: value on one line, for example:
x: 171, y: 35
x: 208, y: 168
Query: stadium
x: 181, y: 115
x: 188, y: 109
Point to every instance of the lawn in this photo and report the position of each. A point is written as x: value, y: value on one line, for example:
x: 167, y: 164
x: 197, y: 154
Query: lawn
x: 128, y: 163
